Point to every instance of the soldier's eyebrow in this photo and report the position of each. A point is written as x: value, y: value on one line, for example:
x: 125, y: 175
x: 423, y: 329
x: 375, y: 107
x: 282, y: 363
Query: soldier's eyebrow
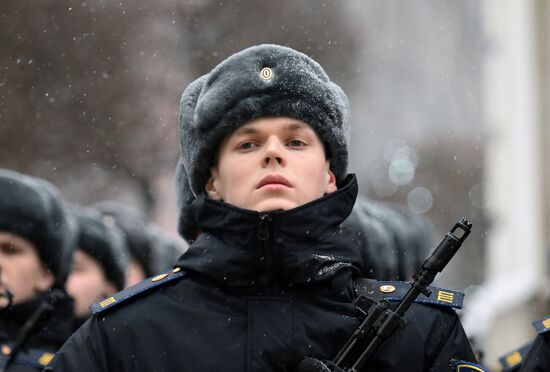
x: 246, y: 130
x: 291, y: 126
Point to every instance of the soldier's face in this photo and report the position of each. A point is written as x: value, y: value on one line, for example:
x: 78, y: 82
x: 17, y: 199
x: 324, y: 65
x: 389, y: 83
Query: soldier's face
x: 87, y: 283
x: 21, y: 271
x: 270, y: 164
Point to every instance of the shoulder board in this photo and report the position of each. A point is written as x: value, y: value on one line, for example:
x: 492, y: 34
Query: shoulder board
x: 30, y: 357
x: 512, y: 361
x: 463, y: 366
x: 543, y: 325
x: 137, y: 289
x: 395, y: 291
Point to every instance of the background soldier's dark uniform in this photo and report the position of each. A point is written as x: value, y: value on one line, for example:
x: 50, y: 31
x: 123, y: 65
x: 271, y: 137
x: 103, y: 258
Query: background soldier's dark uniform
x: 538, y: 357
x: 151, y: 247
x: 45, y: 342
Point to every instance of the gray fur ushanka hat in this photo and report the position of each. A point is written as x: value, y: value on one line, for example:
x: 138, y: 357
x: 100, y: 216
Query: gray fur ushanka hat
x: 33, y: 209
x: 100, y: 238
x: 260, y: 81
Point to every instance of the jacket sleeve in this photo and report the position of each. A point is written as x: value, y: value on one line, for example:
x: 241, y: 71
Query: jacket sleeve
x: 447, y: 342
x: 84, y: 351
x: 538, y: 357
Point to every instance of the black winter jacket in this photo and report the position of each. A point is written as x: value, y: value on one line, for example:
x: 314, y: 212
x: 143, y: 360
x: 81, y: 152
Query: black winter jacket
x: 44, y: 341
x: 538, y: 357
x: 260, y: 292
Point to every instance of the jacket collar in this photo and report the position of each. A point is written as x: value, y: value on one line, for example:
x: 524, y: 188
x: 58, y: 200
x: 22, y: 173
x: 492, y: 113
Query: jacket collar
x: 54, y: 331
x: 275, y: 251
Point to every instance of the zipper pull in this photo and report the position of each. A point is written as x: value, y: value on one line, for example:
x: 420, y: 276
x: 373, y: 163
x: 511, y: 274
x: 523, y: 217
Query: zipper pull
x: 263, y: 229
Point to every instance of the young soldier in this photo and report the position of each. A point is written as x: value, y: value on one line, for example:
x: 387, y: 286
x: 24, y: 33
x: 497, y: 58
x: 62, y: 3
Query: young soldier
x: 36, y: 240
x: 99, y: 261
x: 269, y: 279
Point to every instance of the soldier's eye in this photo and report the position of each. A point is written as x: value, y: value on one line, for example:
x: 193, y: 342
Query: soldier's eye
x: 296, y: 143
x: 247, y: 145
x: 7, y: 249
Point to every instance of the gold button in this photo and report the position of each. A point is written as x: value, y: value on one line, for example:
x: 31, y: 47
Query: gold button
x: 6, y: 350
x: 266, y: 74
x: 159, y: 277
x: 387, y: 288
x: 176, y: 270
x: 45, y: 358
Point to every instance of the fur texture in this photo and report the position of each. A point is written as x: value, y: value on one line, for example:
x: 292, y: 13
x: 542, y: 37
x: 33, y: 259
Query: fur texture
x: 151, y: 247
x: 100, y: 238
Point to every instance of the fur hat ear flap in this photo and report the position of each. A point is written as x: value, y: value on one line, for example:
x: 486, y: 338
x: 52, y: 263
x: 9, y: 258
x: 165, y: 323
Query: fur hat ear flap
x: 187, y: 226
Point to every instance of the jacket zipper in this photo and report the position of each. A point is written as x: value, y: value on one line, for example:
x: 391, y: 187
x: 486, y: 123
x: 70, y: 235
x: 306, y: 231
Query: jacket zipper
x: 265, y: 235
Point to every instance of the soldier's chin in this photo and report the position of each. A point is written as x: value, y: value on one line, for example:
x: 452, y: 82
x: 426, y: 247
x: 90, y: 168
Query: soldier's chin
x: 275, y: 204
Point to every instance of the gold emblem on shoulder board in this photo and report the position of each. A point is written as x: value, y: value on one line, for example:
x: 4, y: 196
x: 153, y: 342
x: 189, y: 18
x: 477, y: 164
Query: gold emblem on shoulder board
x: 107, y: 302
x: 159, y: 277
x: 45, y: 358
x: 387, y: 288
x: 513, y: 359
x: 445, y: 296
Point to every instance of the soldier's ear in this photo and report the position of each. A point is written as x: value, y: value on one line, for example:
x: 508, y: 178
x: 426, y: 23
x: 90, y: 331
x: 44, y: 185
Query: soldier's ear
x: 212, y: 187
x: 45, y: 280
x: 330, y: 185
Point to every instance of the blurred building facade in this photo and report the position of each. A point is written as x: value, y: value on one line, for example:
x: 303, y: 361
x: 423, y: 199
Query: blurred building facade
x: 517, y: 177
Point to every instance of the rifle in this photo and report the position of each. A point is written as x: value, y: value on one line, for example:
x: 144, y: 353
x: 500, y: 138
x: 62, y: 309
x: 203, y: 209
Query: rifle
x: 380, y: 321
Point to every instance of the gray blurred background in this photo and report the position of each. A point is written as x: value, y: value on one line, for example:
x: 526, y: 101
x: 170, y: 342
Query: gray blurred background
x: 449, y: 110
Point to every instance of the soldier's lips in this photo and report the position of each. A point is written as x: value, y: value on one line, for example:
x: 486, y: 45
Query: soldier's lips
x: 274, y: 186
x: 274, y: 182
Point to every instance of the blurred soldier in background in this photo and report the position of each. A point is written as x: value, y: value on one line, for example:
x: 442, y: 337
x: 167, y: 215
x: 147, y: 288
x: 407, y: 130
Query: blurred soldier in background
x: 37, y: 236
x: 534, y: 356
x: 395, y: 239
x: 152, y: 250
x: 537, y: 358
x: 513, y: 360
x: 167, y: 248
x: 99, y: 261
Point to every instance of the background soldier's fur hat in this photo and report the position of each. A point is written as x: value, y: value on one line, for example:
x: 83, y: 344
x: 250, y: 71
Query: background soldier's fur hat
x: 261, y: 81
x: 153, y: 249
x: 390, y: 237
x: 102, y: 239
x: 33, y: 209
